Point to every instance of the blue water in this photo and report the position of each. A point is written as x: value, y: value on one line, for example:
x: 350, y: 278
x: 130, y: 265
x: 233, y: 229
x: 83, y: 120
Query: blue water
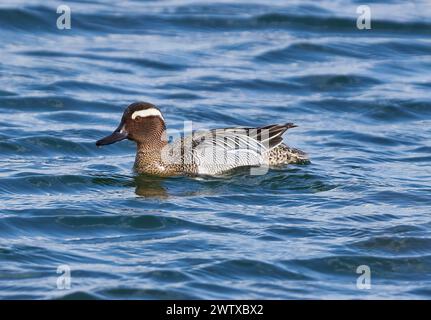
x: 361, y: 100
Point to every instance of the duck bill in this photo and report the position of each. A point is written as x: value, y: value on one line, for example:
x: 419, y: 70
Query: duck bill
x: 117, y: 135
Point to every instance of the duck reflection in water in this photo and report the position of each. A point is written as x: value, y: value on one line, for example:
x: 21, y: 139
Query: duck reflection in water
x: 150, y: 186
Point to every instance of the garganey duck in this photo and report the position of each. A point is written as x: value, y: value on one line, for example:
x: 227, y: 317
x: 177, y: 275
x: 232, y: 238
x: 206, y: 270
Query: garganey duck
x: 212, y: 152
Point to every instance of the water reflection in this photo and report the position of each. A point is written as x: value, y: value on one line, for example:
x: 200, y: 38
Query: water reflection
x: 150, y: 187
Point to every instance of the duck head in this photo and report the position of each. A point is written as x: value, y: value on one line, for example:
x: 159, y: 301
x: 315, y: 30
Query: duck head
x: 143, y: 123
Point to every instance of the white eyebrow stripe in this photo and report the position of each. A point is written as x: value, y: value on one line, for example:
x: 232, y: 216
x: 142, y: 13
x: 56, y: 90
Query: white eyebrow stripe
x: 147, y: 113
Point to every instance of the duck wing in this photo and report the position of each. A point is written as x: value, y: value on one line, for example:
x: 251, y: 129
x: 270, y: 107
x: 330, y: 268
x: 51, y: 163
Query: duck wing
x: 219, y: 150
x: 270, y: 136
